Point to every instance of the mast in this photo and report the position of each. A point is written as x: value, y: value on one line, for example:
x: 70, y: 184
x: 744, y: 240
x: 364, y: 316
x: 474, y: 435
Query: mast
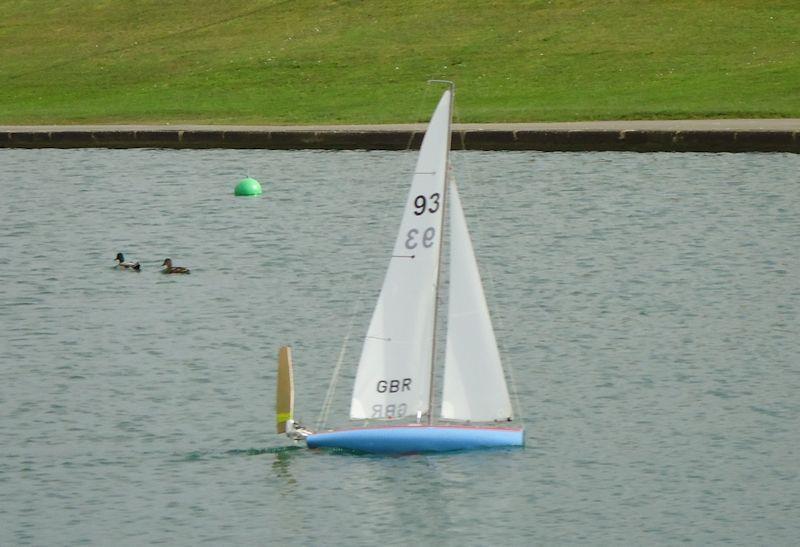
x: 452, y: 86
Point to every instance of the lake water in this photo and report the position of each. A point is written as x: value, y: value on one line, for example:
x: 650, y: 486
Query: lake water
x: 646, y: 304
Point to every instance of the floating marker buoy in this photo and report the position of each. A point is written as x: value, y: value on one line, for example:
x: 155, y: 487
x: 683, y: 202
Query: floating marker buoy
x: 248, y: 187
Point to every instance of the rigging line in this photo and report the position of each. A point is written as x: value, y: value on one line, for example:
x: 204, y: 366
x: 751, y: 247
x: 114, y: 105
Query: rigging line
x: 326, y: 405
x: 422, y: 110
x: 418, y: 117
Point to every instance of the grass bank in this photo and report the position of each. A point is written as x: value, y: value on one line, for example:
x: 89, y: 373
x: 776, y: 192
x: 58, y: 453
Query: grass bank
x: 354, y: 61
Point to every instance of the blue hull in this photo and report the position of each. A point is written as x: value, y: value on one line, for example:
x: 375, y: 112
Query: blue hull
x: 408, y: 439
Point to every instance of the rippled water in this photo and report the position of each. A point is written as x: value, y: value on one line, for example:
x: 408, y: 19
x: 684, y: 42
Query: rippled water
x: 647, y: 305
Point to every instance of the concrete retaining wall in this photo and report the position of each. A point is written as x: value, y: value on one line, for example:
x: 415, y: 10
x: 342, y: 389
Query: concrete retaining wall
x: 561, y: 137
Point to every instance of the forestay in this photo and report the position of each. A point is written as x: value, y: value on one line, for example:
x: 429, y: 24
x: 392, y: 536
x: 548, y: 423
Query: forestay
x: 393, y: 378
x: 474, y: 385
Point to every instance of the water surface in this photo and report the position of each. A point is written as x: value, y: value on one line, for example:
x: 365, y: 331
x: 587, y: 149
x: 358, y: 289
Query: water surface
x: 646, y: 306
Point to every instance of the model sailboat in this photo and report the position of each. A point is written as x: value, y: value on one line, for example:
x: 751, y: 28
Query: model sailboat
x: 395, y: 377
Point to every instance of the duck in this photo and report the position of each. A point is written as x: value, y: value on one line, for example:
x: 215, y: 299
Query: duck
x: 168, y: 268
x: 123, y: 264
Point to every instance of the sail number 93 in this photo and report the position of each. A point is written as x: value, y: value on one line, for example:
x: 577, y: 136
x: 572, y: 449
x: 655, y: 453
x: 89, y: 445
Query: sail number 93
x: 422, y: 204
x: 413, y: 238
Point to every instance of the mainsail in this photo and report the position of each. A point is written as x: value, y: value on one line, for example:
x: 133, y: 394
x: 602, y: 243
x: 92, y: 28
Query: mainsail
x: 393, y: 378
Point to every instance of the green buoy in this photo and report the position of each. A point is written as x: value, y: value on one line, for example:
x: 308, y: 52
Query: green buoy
x: 248, y: 187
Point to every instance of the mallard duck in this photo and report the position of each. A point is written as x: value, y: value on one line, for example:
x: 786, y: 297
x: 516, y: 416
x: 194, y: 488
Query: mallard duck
x: 123, y: 264
x: 168, y: 268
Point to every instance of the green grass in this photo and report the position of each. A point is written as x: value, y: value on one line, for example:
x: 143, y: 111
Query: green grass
x: 366, y: 61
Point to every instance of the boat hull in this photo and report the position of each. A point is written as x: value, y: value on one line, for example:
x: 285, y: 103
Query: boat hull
x: 411, y: 439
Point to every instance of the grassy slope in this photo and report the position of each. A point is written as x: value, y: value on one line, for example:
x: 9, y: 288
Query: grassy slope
x: 366, y: 61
